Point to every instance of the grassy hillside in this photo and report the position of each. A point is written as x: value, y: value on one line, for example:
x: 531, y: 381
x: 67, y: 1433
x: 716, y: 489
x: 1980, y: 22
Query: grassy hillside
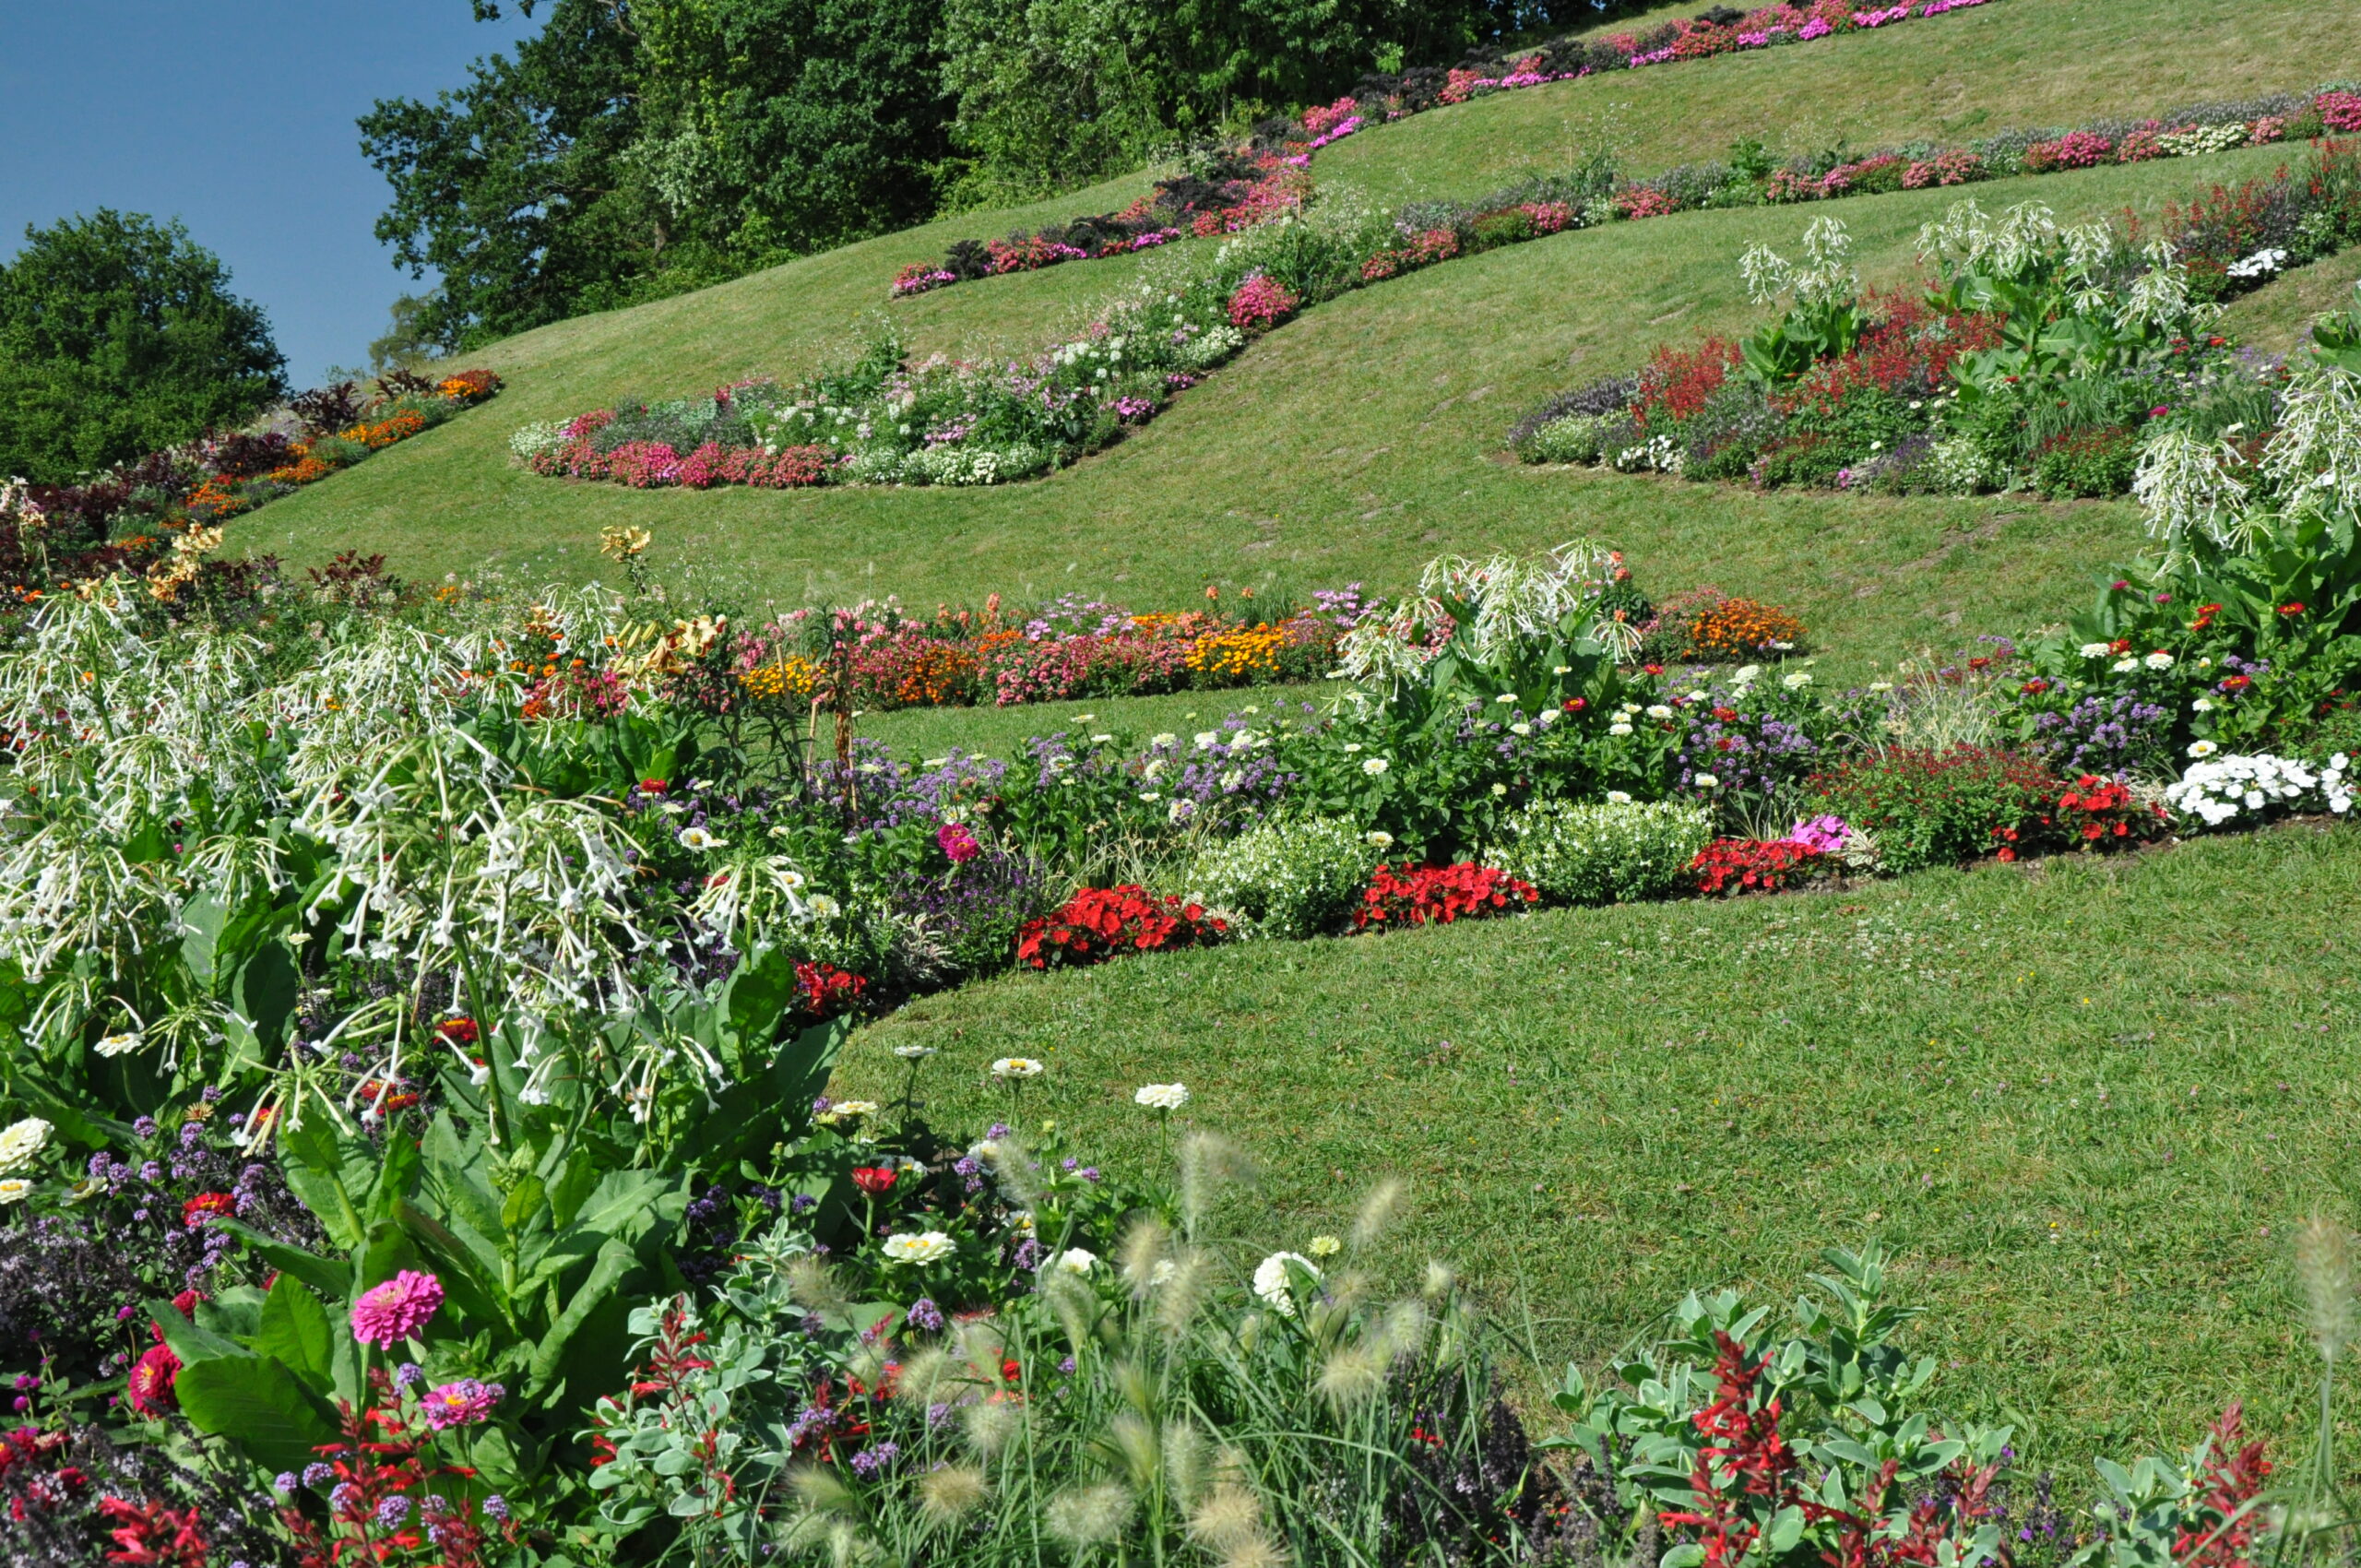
x: 1363, y: 439
x: 2085, y: 1101
x: 1351, y: 444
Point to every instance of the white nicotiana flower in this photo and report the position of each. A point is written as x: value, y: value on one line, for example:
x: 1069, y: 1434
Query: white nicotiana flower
x: 2159, y: 659
x: 2096, y: 650
x: 925, y: 1247
x: 1375, y: 765
x: 698, y: 838
x: 1796, y: 682
x: 1076, y: 1261
x: 14, y: 1189
x: 20, y: 1141
x: 1658, y: 710
x: 1272, y: 1284
x: 1378, y: 839
x: 1017, y: 1067
x: 1619, y: 797
x: 1161, y: 1097
x: 117, y: 1045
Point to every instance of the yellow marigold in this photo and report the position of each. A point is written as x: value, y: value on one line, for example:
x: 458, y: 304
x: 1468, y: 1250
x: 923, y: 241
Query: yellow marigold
x: 1240, y: 653
x: 793, y: 676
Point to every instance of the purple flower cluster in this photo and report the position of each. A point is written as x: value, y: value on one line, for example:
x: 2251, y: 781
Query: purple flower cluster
x: 2103, y: 734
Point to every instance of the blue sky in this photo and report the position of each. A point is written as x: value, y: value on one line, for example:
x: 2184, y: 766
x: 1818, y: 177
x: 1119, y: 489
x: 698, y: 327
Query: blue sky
x: 235, y: 116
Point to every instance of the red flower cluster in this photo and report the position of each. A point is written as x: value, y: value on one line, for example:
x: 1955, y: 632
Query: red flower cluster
x: 151, y: 1533
x: 53, y: 1483
x: 1743, y: 1456
x: 204, y: 1206
x: 1099, y: 922
x: 1678, y: 382
x: 2092, y: 813
x: 1416, y: 895
x: 823, y: 991
x: 1759, y: 865
x: 2223, y: 1534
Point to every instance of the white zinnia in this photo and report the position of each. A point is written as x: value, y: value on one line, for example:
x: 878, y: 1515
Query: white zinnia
x: 2125, y: 665
x: 823, y: 906
x: 1208, y: 737
x: 1163, y: 738
x: 20, y: 1141
x: 1520, y: 728
x: 2159, y: 659
x: 1375, y: 765
x: 1707, y: 781
x: 1619, y: 797
x: 1796, y: 681
x: 14, y: 1189
x: 1162, y: 1097
x: 1076, y: 1260
x: 698, y: 838
x: 1016, y: 1067
x: 1378, y: 839
x: 1620, y: 727
x: 914, y: 1052
x: 2202, y: 748
x: 1659, y: 711
x: 1271, y: 1282
x: 2097, y: 650
x: 925, y: 1247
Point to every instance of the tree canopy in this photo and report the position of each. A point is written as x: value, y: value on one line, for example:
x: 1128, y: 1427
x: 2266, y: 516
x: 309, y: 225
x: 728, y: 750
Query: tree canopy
x: 119, y: 335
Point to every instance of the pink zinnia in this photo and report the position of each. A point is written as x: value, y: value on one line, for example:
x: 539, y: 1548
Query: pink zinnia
x: 150, y: 1387
x: 460, y: 1404
x: 957, y: 842
x: 398, y: 1309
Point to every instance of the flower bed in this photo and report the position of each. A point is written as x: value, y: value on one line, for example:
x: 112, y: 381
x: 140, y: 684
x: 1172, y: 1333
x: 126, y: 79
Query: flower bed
x: 1957, y: 390
x: 162, y: 512
x: 609, y: 1054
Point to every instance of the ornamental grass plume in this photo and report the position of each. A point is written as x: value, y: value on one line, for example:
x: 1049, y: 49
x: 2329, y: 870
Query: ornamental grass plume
x: 1379, y: 1211
x: 951, y: 1492
x: 2324, y: 1264
x: 1087, y: 1516
x: 1208, y: 1163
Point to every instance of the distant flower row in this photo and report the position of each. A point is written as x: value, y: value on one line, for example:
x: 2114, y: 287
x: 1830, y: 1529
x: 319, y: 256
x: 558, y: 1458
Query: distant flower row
x: 161, y: 514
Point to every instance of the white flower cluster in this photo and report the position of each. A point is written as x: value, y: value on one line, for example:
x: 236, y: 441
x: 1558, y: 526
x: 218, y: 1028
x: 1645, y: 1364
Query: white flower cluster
x: 2223, y: 789
x: 534, y: 439
x: 1658, y: 454
x: 1601, y: 853
x: 1284, y: 880
x: 2194, y: 140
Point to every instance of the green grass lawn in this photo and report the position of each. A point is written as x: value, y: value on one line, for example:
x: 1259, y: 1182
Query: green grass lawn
x: 2085, y: 1100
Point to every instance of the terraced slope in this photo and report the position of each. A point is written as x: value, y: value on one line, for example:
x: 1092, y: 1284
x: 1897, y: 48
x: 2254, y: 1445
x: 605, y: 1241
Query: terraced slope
x: 1360, y: 440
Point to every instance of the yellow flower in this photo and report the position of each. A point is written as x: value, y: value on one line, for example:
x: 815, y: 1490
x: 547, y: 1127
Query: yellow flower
x: 621, y: 543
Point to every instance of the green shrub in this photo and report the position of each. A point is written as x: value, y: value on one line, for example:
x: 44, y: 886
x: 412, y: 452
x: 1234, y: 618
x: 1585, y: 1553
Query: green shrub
x: 1929, y: 808
x: 1573, y: 439
x: 1605, y: 853
x: 2086, y: 462
x: 1500, y: 228
x: 1284, y: 879
x: 336, y: 452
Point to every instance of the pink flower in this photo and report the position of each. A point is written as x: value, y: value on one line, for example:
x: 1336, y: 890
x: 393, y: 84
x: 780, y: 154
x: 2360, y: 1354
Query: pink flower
x: 460, y: 1404
x: 397, y: 1310
x: 957, y: 842
x: 150, y: 1387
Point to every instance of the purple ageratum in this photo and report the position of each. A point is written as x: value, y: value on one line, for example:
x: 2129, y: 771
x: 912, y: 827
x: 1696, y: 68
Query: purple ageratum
x: 397, y: 1310
x: 462, y: 1403
x: 925, y: 1316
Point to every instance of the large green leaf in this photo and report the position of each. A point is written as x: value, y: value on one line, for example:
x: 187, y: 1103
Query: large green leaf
x: 616, y: 1263
x: 268, y: 987
x: 296, y: 1329
x: 260, y: 1405
x: 331, y: 1277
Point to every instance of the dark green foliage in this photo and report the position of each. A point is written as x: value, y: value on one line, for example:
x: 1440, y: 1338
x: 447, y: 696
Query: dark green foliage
x: 1937, y: 808
x: 606, y: 164
x: 119, y: 335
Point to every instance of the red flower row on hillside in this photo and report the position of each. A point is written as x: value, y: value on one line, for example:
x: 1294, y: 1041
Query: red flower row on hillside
x: 1099, y: 922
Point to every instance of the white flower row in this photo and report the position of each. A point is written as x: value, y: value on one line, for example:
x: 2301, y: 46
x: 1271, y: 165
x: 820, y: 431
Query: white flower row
x: 2220, y: 789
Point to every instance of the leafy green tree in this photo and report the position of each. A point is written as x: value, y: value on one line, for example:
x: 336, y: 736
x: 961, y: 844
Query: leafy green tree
x: 119, y: 335
x: 628, y: 153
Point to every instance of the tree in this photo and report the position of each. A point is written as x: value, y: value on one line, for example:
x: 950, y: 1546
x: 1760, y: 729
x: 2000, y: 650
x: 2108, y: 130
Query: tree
x: 118, y: 336
x: 632, y: 151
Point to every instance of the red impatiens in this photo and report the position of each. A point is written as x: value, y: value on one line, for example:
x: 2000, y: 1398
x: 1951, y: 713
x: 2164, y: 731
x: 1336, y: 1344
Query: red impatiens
x: 1416, y: 895
x: 823, y: 991
x: 1754, y: 866
x: 1099, y: 922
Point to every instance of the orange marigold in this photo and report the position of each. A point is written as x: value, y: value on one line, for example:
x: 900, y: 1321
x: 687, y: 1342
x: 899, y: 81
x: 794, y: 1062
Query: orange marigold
x: 1741, y: 628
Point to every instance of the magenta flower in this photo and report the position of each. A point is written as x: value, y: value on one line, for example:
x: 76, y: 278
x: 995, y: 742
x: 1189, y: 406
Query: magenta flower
x: 398, y: 1309
x: 957, y: 842
x: 460, y: 1404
